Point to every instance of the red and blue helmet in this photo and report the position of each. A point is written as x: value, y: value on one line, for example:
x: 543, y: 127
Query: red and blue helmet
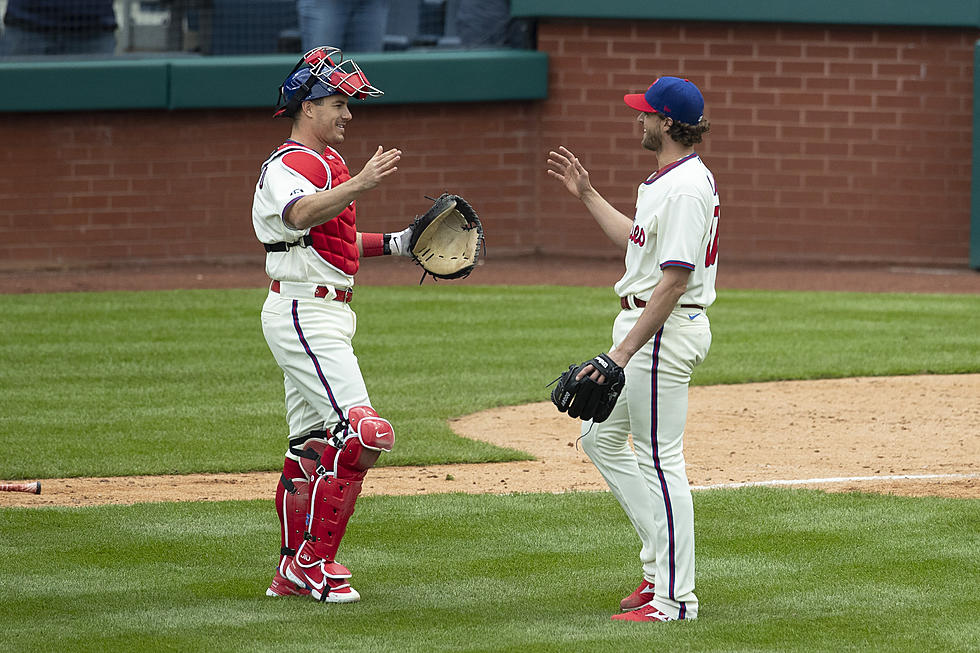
x: 322, y: 72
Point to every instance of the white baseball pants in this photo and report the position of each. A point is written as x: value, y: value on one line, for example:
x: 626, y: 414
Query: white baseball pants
x: 650, y: 479
x: 311, y: 341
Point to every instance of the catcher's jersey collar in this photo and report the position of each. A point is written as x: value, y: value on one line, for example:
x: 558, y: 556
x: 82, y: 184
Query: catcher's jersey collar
x: 291, y: 143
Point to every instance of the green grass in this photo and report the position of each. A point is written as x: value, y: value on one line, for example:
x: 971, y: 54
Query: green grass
x: 122, y: 383
x: 778, y: 570
x: 763, y: 336
x: 182, y: 382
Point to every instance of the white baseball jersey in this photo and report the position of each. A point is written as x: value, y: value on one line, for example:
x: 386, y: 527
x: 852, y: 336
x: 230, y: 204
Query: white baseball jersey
x: 676, y: 223
x: 292, y: 172
x: 309, y: 334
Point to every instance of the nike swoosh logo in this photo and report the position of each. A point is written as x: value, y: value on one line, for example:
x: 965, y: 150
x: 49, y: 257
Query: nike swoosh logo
x: 314, y: 585
x: 691, y: 317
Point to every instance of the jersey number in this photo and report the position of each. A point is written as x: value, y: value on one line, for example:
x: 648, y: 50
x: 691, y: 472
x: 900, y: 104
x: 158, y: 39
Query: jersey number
x: 711, y: 256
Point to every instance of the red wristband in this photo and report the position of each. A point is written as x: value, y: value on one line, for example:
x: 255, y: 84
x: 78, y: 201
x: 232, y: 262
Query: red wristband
x: 373, y: 244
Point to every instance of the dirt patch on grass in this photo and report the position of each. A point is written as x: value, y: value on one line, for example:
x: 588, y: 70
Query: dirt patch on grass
x: 905, y: 435
x: 913, y: 436
x: 532, y: 269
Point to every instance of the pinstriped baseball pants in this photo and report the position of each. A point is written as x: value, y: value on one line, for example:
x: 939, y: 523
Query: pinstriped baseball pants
x: 311, y: 341
x: 649, y: 479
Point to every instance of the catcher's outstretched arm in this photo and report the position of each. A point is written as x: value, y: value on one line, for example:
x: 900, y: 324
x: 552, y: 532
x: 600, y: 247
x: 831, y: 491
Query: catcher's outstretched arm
x: 566, y: 168
x: 315, y: 209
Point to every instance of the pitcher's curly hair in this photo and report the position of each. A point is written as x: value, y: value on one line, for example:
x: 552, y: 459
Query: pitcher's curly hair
x: 685, y: 134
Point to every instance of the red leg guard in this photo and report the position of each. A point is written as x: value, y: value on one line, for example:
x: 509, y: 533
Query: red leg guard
x: 369, y: 436
x: 331, y: 507
x: 337, y: 476
x: 315, y: 563
x: 292, y: 505
x: 309, y: 463
x: 291, y: 508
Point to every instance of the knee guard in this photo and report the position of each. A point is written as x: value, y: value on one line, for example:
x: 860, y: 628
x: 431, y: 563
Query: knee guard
x: 306, y: 451
x: 350, y: 452
x: 370, y: 435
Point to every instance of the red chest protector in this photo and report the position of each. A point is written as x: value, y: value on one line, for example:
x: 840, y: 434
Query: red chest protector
x: 335, y: 240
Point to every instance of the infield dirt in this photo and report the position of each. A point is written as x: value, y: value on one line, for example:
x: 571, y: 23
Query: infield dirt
x: 885, y: 431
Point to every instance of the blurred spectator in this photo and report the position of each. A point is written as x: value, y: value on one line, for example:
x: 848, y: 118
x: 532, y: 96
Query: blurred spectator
x: 351, y: 25
x: 59, y: 27
x: 197, y: 14
x: 488, y: 23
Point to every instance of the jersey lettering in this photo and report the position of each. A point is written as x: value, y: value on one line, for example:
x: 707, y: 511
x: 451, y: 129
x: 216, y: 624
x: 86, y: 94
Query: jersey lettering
x: 638, y: 236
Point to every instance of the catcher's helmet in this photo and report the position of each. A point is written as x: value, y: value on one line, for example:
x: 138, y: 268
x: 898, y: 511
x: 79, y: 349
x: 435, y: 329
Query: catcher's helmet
x: 322, y: 72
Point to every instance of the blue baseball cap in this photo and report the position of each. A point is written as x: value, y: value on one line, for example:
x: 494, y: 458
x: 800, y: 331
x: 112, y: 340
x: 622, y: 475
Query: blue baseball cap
x: 671, y: 97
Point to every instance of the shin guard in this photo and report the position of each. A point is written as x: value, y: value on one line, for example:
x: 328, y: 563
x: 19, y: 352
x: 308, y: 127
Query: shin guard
x: 315, y: 564
x: 336, y: 468
x: 292, y: 506
x: 331, y: 507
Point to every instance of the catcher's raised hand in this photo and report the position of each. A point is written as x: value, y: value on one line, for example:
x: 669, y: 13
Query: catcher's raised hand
x: 566, y: 168
x: 379, y: 166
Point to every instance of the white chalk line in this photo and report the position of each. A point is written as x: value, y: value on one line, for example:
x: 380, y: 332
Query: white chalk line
x: 842, y: 479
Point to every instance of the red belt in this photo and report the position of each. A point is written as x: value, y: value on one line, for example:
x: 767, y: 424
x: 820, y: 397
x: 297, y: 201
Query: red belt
x: 624, y: 302
x: 322, y: 291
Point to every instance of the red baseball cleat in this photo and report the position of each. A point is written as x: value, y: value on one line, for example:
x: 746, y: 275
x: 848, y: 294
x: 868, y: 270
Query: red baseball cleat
x: 282, y: 586
x: 645, y: 613
x: 327, y: 581
x: 639, y: 598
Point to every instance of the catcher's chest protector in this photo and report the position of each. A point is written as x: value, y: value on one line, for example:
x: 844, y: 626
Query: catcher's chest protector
x: 336, y: 240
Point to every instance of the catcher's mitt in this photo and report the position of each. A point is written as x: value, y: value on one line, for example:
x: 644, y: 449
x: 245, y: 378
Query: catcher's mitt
x: 585, y: 398
x: 446, y: 240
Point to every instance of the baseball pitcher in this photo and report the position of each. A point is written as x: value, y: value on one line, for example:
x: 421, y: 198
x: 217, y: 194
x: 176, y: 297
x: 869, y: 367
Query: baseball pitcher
x: 660, y: 335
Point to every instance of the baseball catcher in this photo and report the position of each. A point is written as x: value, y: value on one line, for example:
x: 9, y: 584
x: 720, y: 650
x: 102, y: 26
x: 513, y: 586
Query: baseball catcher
x: 589, y: 390
x: 304, y: 212
x: 446, y: 240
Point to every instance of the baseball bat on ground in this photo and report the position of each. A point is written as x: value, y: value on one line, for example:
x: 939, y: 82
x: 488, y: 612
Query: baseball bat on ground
x: 30, y: 488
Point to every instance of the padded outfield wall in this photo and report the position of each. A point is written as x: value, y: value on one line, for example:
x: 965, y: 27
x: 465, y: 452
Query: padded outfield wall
x: 845, y: 138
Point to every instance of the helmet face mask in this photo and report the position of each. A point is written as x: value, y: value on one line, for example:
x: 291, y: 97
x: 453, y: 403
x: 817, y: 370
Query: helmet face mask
x: 321, y: 72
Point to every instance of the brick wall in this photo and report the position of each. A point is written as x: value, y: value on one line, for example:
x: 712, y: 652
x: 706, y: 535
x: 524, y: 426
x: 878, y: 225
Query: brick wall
x: 78, y: 189
x: 830, y: 144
